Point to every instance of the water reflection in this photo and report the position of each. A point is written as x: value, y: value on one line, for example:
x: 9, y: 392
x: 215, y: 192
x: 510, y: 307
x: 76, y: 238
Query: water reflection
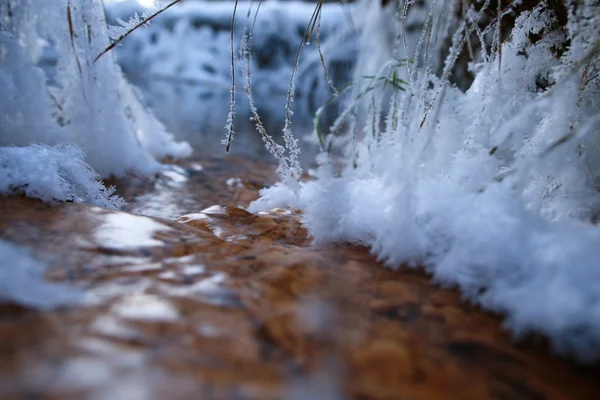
x: 128, y: 232
x: 145, y: 307
x: 111, y: 326
x: 211, y: 290
x: 194, y: 185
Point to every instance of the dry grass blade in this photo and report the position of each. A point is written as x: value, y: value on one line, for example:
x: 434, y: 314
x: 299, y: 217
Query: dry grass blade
x: 314, y: 19
x: 232, y: 99
x: 323, y: 63
x: 72, y: 36
x: 70, y: 21
x: 499, y: 34
x: 143, y: 22
x: 276, y: 149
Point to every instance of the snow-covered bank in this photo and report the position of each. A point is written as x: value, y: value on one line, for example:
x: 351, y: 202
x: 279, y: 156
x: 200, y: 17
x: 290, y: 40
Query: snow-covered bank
x: 86, y: 104
x: 56, y: 173
x: 493, y: 189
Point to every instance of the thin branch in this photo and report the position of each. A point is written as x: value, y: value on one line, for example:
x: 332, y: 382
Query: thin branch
x: 141, y: 23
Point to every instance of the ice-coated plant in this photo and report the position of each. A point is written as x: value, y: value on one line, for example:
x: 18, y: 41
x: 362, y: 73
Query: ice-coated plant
x: 84, y: 101
x: 492, y: 188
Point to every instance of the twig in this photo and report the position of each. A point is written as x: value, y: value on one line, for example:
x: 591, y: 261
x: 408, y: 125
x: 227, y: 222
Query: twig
x: 141, y: 23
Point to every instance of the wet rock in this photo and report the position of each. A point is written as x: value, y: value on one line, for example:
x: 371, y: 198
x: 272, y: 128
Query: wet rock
x: 226, y: 304
x: 236, y: 224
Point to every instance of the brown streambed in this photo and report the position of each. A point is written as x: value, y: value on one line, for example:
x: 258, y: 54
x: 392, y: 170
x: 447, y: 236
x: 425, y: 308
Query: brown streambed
x: 224, y: 304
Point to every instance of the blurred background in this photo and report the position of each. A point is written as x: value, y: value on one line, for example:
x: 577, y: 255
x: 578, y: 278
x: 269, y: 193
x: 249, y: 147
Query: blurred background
x: 181, y: 64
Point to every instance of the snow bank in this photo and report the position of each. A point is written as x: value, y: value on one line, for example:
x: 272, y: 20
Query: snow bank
x: 22, y: 281
x: 55, y: 173
x: 493, y: 189
x: 86, y: 104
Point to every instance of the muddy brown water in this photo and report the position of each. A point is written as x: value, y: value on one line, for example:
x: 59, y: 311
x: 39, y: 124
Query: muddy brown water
x: 187, y: 296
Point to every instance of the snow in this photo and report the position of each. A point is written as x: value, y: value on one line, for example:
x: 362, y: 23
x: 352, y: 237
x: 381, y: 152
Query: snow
x: 80, y: 104
x: 56, y: 173
x: 65, y: 125
x: 493, y: 190
x: 22, y: 281
x: 124, y: 231
x: 145, y: 307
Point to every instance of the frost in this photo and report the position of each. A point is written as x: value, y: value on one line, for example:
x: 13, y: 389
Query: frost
x: 85, y: 103
x: 55, y: 173
x: 116, y: 32
x: 494, y: 189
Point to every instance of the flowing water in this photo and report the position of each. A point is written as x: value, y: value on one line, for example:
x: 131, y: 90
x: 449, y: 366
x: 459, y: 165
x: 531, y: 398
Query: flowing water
x: 188, y: 296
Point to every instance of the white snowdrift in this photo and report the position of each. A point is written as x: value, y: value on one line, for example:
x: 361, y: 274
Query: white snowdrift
x: 86, y: 104
x: 493, y: 190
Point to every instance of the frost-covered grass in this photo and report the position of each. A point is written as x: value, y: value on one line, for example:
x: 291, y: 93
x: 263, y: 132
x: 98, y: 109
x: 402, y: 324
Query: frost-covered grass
x: 85, y: 103
x: 494, y: 189
x: 55, y: 173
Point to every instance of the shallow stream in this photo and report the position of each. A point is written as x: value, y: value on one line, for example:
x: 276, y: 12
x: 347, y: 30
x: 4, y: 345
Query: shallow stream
x: 187, y: 296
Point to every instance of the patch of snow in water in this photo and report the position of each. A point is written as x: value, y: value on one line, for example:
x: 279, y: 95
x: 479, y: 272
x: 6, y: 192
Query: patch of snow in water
x: 145, y: 307
x: 22, y: 281
x: 127, y: 231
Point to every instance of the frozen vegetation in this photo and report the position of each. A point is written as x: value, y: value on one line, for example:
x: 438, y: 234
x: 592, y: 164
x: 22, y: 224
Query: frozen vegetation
x: 60, y: 133
x: 56, y: 173
x: 87, y: 108
x: 493, y: 189
x: 67, y: 120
